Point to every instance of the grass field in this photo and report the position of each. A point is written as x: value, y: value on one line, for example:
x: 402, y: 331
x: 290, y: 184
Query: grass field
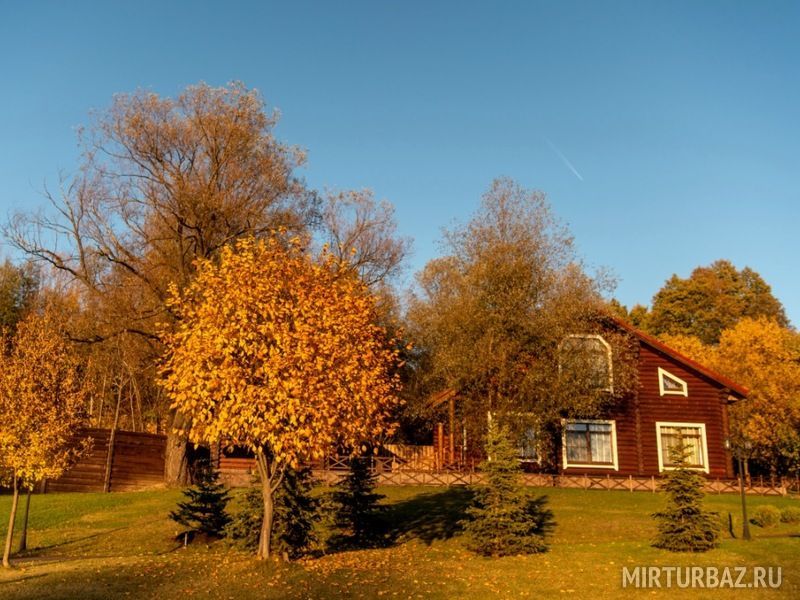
x: 92, y: 546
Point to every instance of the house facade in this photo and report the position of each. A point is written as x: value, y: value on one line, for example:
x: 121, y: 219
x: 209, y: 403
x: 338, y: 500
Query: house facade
x: 677, y: 400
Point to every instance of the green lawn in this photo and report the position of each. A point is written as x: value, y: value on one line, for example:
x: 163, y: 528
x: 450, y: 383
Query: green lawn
x: 122, y: 546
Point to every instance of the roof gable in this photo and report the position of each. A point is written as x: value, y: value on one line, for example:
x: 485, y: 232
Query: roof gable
x: 737, y: 390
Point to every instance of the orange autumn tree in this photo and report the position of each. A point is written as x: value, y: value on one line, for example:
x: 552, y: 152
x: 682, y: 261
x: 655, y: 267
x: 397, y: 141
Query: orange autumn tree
x: 279, y: 354
x: 42, y: 400
x: 764, y: 356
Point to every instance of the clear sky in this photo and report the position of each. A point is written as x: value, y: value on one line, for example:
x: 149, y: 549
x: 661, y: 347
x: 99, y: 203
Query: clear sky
x: 666, y: 134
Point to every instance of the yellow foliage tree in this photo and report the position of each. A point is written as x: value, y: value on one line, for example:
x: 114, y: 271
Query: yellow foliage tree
x: 765, y: 357
x: 42, y: 400
x: 693, y: 347
x: 281, y: 355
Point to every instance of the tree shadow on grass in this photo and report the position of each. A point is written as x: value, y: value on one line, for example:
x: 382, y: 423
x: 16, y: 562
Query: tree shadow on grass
x: 428, y: 517
x: 38, y: 550
x: 22, y: 579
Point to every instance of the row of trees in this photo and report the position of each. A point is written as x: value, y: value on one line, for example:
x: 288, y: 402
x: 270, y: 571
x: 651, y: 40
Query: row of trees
x: 209, y: 290
x: 162, y: 184
x: 166, y: 184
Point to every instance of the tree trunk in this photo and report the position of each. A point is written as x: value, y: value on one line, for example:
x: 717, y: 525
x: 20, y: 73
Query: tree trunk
x: 176, y: 469
x: 112, y: 438
x: 266, y: 525
x: 12, y: 518
x: 266, y: 491
x: 23, y: 540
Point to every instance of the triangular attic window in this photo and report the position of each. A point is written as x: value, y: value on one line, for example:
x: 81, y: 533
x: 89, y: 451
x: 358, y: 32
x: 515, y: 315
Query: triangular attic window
x: 669, y: 385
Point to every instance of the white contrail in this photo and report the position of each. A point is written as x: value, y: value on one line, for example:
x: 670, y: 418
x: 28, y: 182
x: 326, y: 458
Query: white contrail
x: 564, y: 159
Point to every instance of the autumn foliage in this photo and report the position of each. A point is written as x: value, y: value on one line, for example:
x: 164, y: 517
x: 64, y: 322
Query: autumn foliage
x: 765, y: 357
x: 42, y: 400
x: 281, y: 355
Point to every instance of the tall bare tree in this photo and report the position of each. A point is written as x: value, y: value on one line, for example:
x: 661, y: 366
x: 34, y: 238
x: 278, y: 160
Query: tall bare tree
x: 490, y: 316
x: 163, y: 182
x: 362, y: 233
x: 19, y: 286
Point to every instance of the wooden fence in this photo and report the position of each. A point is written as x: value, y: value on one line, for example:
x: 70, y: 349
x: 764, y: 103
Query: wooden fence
x: 119, y: 462
x: 390, y: 472
x: 128, y: 461
x: 413, y: 457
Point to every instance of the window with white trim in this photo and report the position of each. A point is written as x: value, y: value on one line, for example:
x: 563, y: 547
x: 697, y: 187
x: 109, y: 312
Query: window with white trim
x: 692, y: 436
x: 591, y: 444
x: 587, y: 357
x: 522, y: 427
x: 669, y: 385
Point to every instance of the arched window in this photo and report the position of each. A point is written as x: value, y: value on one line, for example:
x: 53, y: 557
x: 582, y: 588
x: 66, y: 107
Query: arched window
x: 587, y: 358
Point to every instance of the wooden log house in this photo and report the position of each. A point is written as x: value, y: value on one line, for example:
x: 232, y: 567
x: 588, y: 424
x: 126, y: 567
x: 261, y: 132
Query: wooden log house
x: 678, y: 400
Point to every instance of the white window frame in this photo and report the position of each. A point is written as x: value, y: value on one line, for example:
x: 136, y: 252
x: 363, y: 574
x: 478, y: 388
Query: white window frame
x: 703, y: 439
x: 568, y: 465
x: 490, y: 418
x: 683, y: 392
x: 606, y: 345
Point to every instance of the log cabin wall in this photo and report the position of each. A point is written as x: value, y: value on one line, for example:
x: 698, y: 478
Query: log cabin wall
x: 636, y: 417
x: 706, y: 403
x: 136, y: 462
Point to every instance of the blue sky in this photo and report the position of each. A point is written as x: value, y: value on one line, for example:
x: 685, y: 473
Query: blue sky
x: 680, y: 119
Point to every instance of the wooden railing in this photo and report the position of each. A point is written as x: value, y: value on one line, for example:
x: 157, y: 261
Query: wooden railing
x: 391, y: 472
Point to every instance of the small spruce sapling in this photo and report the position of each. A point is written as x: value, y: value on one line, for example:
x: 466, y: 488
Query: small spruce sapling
x: 296, y: 512
x: 204, y: 510
x: 505, y: 520
x: 357, y: 512
x: 244, y: 530
x: 683, y: 526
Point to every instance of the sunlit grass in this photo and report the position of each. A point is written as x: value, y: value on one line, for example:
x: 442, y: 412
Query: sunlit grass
x: 123, y: 546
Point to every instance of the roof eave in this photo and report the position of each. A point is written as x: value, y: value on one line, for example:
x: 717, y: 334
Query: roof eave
x: 740, y: 392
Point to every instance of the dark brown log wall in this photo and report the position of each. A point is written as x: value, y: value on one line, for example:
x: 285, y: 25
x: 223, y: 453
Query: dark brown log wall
x: 137, y: 463
x: 637, y: 451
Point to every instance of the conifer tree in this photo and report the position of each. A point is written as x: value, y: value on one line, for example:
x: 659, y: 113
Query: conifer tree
x: 683, y: 526
x: 357, y: 512
x: 505, y: 519
x: 296, y: 512
x: 244, y: 529
x: 204, y: 510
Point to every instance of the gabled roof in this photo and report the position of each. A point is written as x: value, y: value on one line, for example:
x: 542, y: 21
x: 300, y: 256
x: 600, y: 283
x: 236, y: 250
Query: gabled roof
x: 737, y: 390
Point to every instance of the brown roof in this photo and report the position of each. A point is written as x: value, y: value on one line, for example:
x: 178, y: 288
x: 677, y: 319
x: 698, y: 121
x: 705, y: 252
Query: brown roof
x: 645, y: 338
